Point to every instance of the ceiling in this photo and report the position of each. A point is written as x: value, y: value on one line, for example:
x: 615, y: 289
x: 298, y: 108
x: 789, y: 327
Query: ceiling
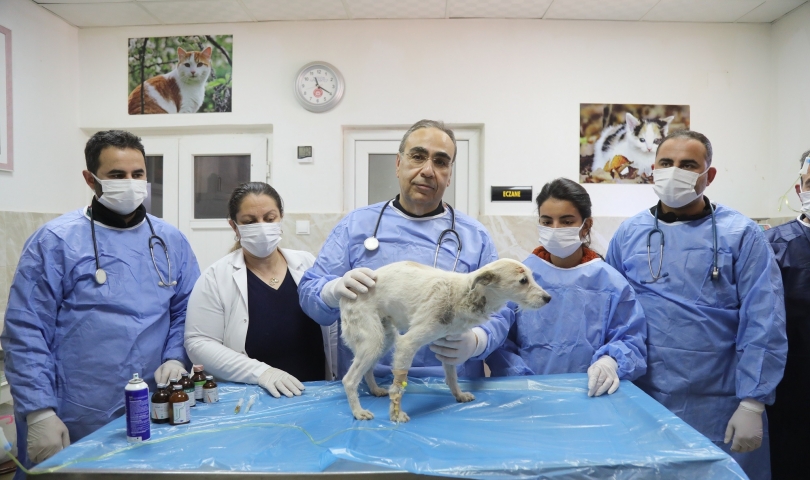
x: 116, y: 13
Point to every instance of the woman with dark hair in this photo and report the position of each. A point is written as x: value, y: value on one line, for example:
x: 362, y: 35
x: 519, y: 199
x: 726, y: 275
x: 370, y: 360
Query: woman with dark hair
x: 594, y: 324
x: 244, y: 321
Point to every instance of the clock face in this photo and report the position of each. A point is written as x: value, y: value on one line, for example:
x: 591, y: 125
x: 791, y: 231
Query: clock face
x: 319, y: 86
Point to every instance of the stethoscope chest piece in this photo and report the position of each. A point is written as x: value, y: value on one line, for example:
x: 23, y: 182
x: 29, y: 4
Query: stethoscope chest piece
x: 371, y: 243
x: 101, y: 276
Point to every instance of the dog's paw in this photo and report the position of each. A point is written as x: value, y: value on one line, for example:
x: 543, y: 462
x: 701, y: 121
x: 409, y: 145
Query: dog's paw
x: 465, y: 397
x: 400, y: 417
x: 379, y: 392
x: 363, y: 415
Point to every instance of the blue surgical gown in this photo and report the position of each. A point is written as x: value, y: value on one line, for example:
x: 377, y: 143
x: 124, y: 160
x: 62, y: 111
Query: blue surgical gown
x: 789, y: 416
x: 710, y: 343
x: 72, y: 344
x: 594, y: 312
x: 401, y: 238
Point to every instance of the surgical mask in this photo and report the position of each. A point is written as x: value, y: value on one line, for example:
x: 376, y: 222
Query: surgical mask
x: 122, y: 196
x: 805, y: 197
x: 676, y: 186
x: 560, y: 242
x: 260, y: 239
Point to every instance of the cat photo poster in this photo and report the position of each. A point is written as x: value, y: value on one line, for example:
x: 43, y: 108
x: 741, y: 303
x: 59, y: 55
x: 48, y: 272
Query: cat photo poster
x: 618, y: 141
x: 189, y: 74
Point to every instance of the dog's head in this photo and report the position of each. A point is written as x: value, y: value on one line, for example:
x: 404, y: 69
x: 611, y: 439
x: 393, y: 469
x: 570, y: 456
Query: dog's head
x: 507, y: 280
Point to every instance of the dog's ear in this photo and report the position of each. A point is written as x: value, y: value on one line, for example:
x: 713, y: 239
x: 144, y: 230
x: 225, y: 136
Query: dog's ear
x: 483, y: 278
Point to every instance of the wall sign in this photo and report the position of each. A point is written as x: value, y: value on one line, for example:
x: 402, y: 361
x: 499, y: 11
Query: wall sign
x: 511, y: 194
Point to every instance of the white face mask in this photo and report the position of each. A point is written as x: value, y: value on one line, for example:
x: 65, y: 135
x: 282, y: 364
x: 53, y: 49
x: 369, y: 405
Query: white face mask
x: 805, y: 197
x: 122, y: 196
x: 560, y: 242
x: 676, y: 186
x: 260, y: 239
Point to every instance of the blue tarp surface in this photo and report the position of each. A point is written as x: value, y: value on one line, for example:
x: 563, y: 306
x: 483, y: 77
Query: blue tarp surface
x: 519, y: 427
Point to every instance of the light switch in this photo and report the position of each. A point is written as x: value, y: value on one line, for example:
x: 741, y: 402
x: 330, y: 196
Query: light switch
x: 302, y: 227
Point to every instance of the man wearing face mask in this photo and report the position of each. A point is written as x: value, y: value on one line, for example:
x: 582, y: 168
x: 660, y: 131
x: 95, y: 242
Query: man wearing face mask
x: 712, y: 294
x: 788, y: 417
x: 88, y: 307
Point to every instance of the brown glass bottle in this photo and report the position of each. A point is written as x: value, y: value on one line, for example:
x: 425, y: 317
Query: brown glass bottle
x: 188, y: 387
x: 179, y: 412
x: 199, y: 380
x: 210, y: 390
x: 160, y: 405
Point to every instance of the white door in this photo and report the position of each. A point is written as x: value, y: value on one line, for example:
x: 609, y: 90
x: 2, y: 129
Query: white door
x: 210, y: 167
x: 162, y: 177
x: 370, y: 169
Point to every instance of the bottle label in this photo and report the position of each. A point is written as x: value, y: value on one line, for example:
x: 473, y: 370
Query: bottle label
x: 137, y: 408
x: 191, y: 400
x: 211, y: 395
x: 160, y: 411
x: 198, y: 391
x: 181, y: 412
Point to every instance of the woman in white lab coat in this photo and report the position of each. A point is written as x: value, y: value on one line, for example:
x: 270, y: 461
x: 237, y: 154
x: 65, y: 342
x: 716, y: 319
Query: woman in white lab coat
x: 243, y: 321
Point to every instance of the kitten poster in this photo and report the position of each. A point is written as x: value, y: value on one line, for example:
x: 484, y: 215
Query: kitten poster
x: 189, y: 74
x: 618, y: 142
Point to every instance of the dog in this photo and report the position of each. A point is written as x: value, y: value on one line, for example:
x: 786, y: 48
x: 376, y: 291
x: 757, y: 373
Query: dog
x: 425, y: 304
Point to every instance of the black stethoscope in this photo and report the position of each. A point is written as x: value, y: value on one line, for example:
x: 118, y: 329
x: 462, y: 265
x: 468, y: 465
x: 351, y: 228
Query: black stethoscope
x: 154, y: 239
x: 371, y: 243
x: 655, y: 277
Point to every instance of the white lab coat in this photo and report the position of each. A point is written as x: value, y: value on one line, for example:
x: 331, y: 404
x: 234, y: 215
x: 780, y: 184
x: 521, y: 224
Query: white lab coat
x: 217, y: 319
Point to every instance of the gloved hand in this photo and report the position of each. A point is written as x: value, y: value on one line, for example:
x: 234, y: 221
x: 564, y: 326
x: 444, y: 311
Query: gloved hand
x: 274, y: 380
x: 746, y: 426
x: 47, y: 435
x: 457, y: 349
x: 358, y: 279
x: 603, y: 376
x: 170, y: 369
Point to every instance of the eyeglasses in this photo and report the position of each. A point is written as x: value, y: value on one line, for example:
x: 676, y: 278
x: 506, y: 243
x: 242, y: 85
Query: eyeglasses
x: 439, y: 162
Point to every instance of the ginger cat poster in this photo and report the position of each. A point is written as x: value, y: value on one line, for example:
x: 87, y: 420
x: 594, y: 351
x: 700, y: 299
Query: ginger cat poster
x: 189, y: 74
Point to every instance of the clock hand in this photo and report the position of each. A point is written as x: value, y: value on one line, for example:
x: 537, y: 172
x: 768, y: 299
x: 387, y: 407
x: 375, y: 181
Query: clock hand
x: 325, y: 90
x: 316, y: 81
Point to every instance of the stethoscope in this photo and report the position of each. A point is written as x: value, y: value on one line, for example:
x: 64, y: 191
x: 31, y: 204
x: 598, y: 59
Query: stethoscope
x: 154, y: 239
x: 655, y: 277
x: 371, y: 243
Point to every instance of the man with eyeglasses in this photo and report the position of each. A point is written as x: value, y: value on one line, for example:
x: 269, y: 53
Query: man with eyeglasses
x: 407, y: 228
x: 711, y: 291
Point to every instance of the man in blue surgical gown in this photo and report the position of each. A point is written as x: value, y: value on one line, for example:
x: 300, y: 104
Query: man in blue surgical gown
x: 716, y: 343
x: 79, y: 324
x: 407, y: 228
x: 789, y: 416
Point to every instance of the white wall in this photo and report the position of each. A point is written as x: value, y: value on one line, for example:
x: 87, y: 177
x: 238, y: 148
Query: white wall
x: 791, y: 44
x: 522, y: 80
x: 48, y: 145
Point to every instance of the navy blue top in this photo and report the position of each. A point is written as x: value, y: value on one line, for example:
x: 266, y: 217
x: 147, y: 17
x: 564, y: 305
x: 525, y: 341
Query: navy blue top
x: 280, y: 334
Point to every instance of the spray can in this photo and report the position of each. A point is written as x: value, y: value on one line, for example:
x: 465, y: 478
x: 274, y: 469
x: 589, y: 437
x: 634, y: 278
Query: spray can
x: 136, y: 400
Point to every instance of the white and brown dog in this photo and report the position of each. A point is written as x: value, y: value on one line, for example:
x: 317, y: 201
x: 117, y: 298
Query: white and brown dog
x: 425, y: 304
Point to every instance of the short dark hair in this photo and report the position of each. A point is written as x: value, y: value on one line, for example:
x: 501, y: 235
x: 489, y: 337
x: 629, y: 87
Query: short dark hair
x: 252, y: 188
x: 429, y: 124
x: 111, y: 138
x: 568, y: 190
x: 804, y: 156
x: 693, y: 135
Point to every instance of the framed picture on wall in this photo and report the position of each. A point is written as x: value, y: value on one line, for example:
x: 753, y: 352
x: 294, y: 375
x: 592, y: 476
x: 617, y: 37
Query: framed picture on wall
x: 618, y: 141
x: 6, y: 123
x: 190, y: 74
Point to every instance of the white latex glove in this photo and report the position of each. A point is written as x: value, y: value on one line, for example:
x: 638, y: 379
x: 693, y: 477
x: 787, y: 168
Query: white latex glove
x: 274, y: 380
x: 603, y: 376
x: 745, y: 426
x: 457, y: 349
x: 358, y: 279
x: 170, y: 369
x: 47, y: 435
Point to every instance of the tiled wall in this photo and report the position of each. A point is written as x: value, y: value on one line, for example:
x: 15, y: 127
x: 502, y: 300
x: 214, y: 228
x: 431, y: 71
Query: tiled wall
x: 15, y: 228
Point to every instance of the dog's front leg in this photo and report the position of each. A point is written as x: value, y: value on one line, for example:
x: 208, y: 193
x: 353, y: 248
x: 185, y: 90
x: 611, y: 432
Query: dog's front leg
x: 405, y: 349
x: 451, y: 379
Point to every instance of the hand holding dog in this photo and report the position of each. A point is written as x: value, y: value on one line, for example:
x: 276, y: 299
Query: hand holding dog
x: 355, y: 281
x: 457, y: 349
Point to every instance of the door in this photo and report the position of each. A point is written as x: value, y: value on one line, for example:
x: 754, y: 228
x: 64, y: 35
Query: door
x: 210, y: 167
x: 162, y: 177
